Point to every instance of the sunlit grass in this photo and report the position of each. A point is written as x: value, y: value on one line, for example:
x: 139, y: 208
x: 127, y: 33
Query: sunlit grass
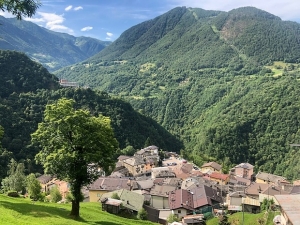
x: 23, y: 211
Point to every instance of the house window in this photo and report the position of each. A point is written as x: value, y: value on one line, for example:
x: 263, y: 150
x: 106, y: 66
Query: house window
x: 179, y: 211
x: 98, y: 195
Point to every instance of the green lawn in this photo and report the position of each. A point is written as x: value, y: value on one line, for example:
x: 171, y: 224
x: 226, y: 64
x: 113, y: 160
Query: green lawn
x: 22, y: 211
x: 249, y: 219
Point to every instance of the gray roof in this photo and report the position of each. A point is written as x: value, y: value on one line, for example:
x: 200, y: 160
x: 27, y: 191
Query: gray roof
x: 162, y: 190
x: 271, y: 177
x: 45, y: 178
x: 110, y: 184
x: 134, y: 161
x: 145, y: 184
x: 213, y: 165
x: 245, y: 166
x: 290, y: 204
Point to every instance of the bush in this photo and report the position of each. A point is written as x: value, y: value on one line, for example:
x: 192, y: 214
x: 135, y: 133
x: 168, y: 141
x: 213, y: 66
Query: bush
x: 115, y: 196
x: 142, y: 214
x: 172, y: 218
x: 13, y: 194
x: 55, y: 195
x: 69, y: 197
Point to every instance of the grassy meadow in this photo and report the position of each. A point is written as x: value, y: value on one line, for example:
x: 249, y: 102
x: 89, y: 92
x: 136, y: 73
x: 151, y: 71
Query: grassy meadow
x: 249, y: 218
x: 23, y: 211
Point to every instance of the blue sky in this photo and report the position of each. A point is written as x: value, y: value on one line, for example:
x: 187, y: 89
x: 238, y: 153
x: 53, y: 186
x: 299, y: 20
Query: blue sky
x: 107, y: 19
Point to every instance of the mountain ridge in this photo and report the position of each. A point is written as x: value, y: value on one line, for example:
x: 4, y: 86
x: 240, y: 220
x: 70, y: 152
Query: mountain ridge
x: 215, y: 91
x: 52, y: 49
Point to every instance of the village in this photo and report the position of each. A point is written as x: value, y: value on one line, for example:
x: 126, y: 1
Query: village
x: 173, y: 186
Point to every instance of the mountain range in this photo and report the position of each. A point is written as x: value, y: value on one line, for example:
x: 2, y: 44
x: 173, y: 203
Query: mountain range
x: 225, y: 83
x: 52, y: 49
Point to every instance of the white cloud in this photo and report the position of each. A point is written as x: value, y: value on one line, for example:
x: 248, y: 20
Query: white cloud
x: 286, y: 10
x: 108, y: 38
x: 87, y: 28
x: 68, y: 8
x: 52, y: 22
x: 6, y: 14
x: 78, y: 8
x: 109, y: 34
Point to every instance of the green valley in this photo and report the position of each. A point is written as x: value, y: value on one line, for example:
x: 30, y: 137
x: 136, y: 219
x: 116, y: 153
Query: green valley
x: 225, y: 83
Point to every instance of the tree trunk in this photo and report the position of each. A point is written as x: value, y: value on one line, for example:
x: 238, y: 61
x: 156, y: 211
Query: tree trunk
x: 75, y: 208
x: 76, y: 192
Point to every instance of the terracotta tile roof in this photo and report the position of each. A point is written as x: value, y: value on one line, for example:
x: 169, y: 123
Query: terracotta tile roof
x: 219, y: 176
x: 181, y: 199
x: 194, y: 198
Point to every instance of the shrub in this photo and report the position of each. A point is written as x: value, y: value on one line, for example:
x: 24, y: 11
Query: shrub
x: 115, y: 196
x: 13, y: 194
x: 172, y: 218
x: 142, y: 214
x: 69, y: 197
x: 55, y: 195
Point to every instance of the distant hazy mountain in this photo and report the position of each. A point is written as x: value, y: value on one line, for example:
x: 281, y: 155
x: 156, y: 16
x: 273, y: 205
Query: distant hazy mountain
x: 52, y: 49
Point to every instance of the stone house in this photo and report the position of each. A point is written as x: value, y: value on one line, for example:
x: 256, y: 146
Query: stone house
x: 160, y: 196
x: 138, y: 167
x: 244, y: 170
x: 267, y: 178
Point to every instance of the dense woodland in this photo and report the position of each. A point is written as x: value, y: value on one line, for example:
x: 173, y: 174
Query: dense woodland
x: 225, y: 83
x: 26, y: 87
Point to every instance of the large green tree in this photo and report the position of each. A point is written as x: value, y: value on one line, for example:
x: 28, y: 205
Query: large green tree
x: 74, y: 145
x: 20, y: 8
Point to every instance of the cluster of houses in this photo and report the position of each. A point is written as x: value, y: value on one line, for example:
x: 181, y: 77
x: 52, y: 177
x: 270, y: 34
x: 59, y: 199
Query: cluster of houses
x: 185, y: 190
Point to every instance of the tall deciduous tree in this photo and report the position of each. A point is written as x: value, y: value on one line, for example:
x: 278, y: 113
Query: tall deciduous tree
x: 20, y: 8
x: 74, y: 145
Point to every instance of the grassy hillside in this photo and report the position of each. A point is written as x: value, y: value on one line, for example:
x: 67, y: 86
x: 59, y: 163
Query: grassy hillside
x: 249, y: 218
x: 21, y: 211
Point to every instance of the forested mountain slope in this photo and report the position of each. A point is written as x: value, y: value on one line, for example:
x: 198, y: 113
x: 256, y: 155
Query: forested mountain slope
x: 21, y: 109
x: 52, y: 49
x: 226, y: 83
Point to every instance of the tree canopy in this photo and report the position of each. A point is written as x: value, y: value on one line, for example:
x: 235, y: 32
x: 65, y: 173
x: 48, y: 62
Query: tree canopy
x: 20, y: 8
x: 75, y: 146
